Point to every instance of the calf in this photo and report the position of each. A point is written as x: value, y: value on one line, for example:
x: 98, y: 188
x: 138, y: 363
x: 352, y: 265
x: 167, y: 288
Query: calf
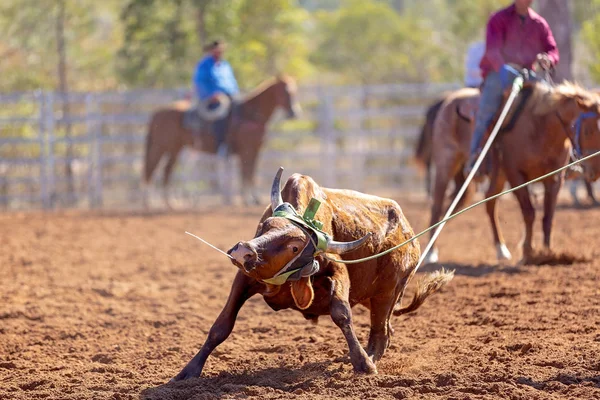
x: 290, y: 263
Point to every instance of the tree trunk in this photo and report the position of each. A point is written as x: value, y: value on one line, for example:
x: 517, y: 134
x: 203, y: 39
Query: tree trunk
x: 558, y: 15
x: 63, y: 88
x: 201, y: 6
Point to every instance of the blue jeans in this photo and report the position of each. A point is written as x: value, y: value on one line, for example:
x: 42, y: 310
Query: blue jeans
x: 489, y: 103
x: 491, y: 100
x: 219, y: 126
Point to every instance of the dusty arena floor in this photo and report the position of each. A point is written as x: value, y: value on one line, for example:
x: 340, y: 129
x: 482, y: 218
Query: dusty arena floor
x: 111, y: 306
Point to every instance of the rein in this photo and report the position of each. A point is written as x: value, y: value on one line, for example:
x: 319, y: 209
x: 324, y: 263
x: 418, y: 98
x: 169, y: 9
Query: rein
x: 576, y: 141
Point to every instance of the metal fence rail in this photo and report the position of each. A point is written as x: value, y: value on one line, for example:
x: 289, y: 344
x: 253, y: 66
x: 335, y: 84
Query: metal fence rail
x: 352, y: 137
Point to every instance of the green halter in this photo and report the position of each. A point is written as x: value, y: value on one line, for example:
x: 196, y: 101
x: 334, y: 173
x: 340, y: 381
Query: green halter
x: 307, y: 221
x: 313, y: 229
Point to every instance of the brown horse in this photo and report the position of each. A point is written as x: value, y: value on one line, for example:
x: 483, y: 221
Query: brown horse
x: 448, y: 148
x: 167, y: 135
x: 540, y: 142
x: 444, y: 146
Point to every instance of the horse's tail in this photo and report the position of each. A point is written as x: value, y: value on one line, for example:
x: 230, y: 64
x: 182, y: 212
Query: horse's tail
x: 423, y: 149
x: 424, y: 144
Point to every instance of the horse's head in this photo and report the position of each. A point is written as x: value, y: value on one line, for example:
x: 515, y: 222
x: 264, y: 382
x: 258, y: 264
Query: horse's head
x: 586, y: 141
x: 285, y: 95
x: 579, y: 111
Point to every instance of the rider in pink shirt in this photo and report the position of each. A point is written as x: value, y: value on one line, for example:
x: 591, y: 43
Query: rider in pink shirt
x: 516, y: 38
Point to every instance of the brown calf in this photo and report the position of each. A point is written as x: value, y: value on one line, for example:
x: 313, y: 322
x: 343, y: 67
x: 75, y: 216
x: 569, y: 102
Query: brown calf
x: 362, y: 225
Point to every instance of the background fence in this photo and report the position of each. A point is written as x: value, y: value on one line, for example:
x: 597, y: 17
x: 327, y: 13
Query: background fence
x: 351, y: 137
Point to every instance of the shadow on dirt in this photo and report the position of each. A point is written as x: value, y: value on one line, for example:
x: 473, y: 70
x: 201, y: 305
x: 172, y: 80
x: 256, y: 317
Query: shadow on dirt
x: 474, y: 270
x: 241, y: 384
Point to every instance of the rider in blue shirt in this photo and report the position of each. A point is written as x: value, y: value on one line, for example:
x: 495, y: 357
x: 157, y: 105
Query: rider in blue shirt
x: 215, y: 76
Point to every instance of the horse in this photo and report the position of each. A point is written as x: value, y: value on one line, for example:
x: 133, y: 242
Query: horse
x: 444, y: 147
x: 422, y: 152
x: 538, y: 142
x: 167, y: 135
x: 447, y: 147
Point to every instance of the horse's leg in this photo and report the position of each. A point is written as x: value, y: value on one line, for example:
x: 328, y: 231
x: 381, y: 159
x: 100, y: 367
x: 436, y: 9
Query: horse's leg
x: 527, y: 210
x: 153, y: 155
x: 573, y: 190
x: 551, y: 188
x: 459, y: 181
x: 590, y: 191
x: 442, y: 177
x: 428, y: 180
x: 167, y: 176
x: 497, y: 181
x: 248, y: 171
x: 248, y: 149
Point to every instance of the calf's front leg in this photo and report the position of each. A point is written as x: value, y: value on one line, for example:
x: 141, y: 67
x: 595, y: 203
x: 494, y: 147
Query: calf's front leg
x: 341, y: 314
x: 242, y: 289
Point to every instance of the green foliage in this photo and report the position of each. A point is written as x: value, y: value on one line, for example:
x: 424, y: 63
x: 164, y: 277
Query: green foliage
x: 367, y: 41
x: 28, y: 46
x: 468, y: 19
x: 589, y: 33
x: 271, y: 38
x: 155, y: 43
x: 163, y: 39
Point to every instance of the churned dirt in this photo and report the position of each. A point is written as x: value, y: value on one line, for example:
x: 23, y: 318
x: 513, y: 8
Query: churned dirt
x: 111, y: 306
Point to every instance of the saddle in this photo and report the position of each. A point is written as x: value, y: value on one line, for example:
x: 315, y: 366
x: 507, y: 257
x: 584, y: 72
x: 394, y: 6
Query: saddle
x: 193, y: 118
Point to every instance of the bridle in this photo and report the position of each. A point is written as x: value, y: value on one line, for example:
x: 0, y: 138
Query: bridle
x: 576, y: 140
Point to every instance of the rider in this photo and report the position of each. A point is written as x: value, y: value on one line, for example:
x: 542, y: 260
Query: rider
x: 213, y: 78
x: 516, y: 38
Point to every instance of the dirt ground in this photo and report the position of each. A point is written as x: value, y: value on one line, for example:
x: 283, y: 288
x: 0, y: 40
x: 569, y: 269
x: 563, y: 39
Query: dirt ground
x: 112, y: 305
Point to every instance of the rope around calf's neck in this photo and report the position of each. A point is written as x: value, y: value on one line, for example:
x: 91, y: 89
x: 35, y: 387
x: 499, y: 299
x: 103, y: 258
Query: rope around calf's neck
x: 374, y: 256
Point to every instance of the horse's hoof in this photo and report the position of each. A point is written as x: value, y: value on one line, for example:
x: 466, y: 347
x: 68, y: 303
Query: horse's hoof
x: 502, y: 252
x: 433, y: 256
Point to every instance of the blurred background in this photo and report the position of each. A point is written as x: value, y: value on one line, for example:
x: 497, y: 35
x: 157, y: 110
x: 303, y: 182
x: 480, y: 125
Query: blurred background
x: 80, y: 78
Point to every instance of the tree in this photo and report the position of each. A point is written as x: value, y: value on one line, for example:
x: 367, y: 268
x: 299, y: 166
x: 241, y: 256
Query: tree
x: 367, y: 41
x: 28, y: 44
x: 272, y: 38
x: 589, y: 33
x: 558, y: 15
x: 163, y: 40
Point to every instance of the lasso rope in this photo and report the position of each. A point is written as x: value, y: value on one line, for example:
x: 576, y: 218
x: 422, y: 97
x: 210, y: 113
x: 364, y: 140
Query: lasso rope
x: 517, y: 85
x: 515, y: 90
x: 383, y: 253
x: 463, y: 211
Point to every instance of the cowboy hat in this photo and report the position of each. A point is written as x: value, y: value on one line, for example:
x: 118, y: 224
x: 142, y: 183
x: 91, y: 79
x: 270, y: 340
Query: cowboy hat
x: 215, y: 44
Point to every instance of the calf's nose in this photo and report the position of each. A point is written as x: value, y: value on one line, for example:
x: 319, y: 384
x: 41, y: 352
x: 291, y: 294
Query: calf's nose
x: 242, y: 253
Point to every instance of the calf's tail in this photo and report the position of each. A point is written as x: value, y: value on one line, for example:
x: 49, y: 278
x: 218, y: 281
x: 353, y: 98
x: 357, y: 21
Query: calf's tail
x: 428, y: 286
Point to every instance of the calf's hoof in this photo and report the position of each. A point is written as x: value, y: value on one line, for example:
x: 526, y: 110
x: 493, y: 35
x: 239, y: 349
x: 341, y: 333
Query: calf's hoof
x: 365, y: 366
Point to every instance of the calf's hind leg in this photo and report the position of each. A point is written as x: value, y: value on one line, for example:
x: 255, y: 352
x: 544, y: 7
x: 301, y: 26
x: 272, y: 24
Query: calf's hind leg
x: 381, y: 330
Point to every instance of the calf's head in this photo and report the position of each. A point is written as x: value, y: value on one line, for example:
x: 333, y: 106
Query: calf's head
x: 285, y: 248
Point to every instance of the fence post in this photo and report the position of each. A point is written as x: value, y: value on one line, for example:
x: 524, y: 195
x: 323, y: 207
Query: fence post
x: 361, y: 147
x: 328, y: 147
x: 44, y: 192
x: 99, y: 158
x: 47, y: 121
x: 95, y: 149
x: 90, y: 136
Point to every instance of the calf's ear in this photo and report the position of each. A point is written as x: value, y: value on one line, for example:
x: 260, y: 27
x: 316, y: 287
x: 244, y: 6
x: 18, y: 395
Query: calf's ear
x: 303, y: 293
